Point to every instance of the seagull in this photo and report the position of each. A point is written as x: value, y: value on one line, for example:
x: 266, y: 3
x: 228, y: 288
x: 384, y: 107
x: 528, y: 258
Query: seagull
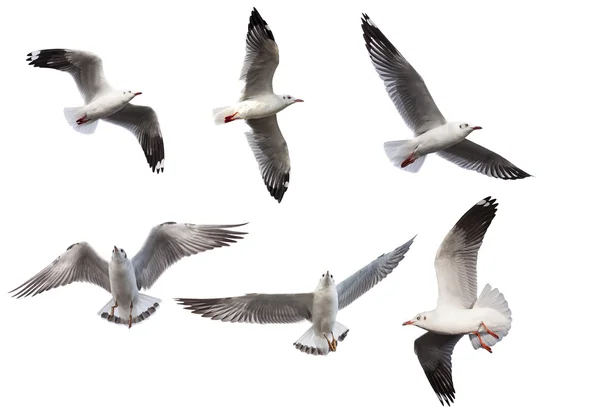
x: 104, y: 102
x: 258, y: 106
x: 432, y: 133
x: 319, y: 307
x: 459, y: 312
x: 124, y: 277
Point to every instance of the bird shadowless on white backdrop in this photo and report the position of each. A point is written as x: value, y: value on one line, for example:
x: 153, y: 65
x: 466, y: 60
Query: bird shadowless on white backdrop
x: 258, y: 106
x: 486, y: 319
x: 433, y: 134
x: 319, y: 307
x: 124, y: 277
x: 103, y: 101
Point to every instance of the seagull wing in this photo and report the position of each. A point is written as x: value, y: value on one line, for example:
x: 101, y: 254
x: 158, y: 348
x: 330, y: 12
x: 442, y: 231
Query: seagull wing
x: 79, y: 263
x: 169, y: 242
x: 143, y: 123
x: 85, y: 67
x: 262, y: 58
x: 471, y: 156
x: 456, y: 258
x: 435, y: 355
x: 362, y: 281
x: 271, y: 152
x: 254, y: 308
x: 404, y: 85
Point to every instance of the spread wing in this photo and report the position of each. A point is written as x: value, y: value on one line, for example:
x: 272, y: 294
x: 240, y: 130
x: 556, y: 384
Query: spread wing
x: 456, y: 258
x: 271, y: 152
x: 435, y: 356
x: 262, y: 58
x: 365, y: 279
x: 143, y: 123
x: 79, y: 263
x: 472, y: 156
x: 85, y: 67
x: 169, y: 242
x: 404, y: 85
x: 253, y: 308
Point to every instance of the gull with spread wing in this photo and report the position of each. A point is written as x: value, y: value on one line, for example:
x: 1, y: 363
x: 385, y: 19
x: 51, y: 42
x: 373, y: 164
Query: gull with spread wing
x: 319, y: 307
x: 258, y: 106
x: 103, y: 101
x: 432, y: 133
x: 123, y: 277
x: 459, y: 312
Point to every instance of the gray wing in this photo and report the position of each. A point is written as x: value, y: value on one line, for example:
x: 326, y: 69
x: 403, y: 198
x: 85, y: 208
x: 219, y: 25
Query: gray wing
x: 79, y: 263
x: 85, y: 67
x: 404, y: 85
x: 253, y: 308
x: 262, y: 58
x: 143, y: 123
x: 456, y: 258
x: 169, y: 242
x: 271, y: 153
x: 472, y: 156
x: 435, y: 356
x: 365, y: 279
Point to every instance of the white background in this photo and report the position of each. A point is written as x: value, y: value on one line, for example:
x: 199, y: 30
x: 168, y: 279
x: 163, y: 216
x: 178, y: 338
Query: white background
x: 526, y: 72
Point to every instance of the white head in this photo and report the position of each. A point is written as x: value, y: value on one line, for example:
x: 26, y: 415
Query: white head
x: 118, y: 255
x: 326, y: 280
x: 288, y: 100
x: 128, y: 95
x: 465, y: 128
x: 420, y: 320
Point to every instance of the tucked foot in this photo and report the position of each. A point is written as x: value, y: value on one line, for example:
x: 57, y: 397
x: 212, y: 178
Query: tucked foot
x: 230, y: 118
x: 112, y: 309
x: 489, y: 331
x: 130, y: 314
x: 483, y: 345
x: 82, y: 120
x: 411, y: 159
x: 332, y: 343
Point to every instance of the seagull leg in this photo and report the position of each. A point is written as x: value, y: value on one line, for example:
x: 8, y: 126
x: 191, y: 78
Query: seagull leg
x: 489, y: 331
x: 411, y: 159
x: 483, y: 345
x: 82, y: 120
x: 230, y: 118
x: 130, y: 314
x: 112, y: 309
x: 330, y: 343
x: 333, y: 342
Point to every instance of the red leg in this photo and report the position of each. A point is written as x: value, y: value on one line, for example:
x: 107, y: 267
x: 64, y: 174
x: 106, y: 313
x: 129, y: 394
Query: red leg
x: 230, y: 118
x: 82, y: 120
x: 483, y: 345
x: 409, y: 160
x: 489, y: 331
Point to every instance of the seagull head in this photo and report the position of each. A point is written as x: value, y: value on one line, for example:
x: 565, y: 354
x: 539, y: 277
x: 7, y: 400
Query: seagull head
x: 326, y: 280
x: 118, y: 255
x: 466, y: 128
x: 419, y: 320
x: 289, y: 100
x: 128, y: 95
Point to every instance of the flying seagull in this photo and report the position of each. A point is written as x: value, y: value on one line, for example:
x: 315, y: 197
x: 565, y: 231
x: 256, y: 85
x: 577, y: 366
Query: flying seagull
x: 258, y: 106
x: 123, y: 277
x: 432, y: 133
x: 319, y: 307
x: 104, y: 102
x: 459, y: 312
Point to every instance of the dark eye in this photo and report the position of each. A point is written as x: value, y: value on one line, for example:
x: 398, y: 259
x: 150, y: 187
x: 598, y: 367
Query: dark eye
x: 425, y: 318
x: 466, y: 125
x: 419, y: 318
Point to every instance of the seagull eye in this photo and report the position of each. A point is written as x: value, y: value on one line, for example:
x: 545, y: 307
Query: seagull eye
x: 425, y: 318
x: 419, y: 318
x: 466, y: 125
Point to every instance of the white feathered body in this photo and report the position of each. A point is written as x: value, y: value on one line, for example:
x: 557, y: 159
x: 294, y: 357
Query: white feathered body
x: 325, y: 308
x: 254, y: 108
x: 437, y: 139
x: 123, y: 285
x: 462, y: 321
x: 105, y: 105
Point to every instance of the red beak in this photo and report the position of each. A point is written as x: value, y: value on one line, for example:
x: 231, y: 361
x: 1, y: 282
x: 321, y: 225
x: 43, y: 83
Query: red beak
x: 476, y: 128
x: 407, y: 323
x: 116, y: 249
x: 298, y: 100
x: 137, y: 93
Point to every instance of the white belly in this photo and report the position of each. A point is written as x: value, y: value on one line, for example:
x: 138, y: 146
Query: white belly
x: 324, y: 313
x: 123, y: 285
x: 257, y: 108
x: 104, y: 106
x: 436, y: 139
x: 465, y: 321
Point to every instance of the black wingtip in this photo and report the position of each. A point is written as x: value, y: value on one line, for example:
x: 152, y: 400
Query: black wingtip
x: 256, y: 20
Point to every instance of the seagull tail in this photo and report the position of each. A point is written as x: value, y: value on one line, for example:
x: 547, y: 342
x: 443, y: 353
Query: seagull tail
x: 312, y: 343
x: 142, y: 309
x: 399, y: 153
x: 74, y: 116
x: 223, y: 115
x: 499, y: 323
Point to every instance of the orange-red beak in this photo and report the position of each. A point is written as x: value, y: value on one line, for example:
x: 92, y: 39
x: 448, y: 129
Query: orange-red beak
x: 476, y: 128
x: 137, y: 93
x: 298, y: 100
x: 407, y: 323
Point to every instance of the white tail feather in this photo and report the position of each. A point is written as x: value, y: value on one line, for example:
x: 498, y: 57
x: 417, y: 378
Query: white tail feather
x: 142, y: 309
x: 398, y: 151
x: 219, y: 114
x: 73, y: 114
x: 316, y: 344
x: 494, y: 299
